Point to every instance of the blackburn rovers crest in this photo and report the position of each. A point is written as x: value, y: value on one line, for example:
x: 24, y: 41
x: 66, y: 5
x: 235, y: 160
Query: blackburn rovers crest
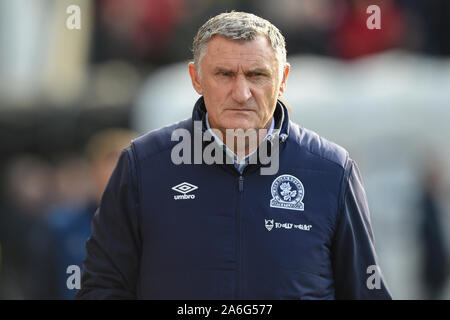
x: 287, y: 193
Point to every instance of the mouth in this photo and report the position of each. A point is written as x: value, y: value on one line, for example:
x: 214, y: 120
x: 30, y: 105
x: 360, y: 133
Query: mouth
x: 241, y: 110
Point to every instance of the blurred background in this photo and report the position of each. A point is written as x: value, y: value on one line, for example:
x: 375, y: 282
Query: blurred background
x: 71, y: 100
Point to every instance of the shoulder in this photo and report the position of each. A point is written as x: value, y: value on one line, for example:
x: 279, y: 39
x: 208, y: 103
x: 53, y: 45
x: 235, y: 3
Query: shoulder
x: 159, y: 140
x: 319, y: 148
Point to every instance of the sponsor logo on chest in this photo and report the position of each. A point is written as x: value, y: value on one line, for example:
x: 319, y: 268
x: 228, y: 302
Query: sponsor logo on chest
x: 184, y: 188
x: 271, y: 224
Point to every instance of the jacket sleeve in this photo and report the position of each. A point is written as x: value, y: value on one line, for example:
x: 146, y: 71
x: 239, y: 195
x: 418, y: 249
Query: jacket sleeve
x: 111, y: 267
x: 356, y: 272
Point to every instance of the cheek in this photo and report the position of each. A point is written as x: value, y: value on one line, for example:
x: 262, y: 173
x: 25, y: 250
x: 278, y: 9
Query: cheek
x: 218, y: 96
x: 215, y: 90
x: 266, y: 95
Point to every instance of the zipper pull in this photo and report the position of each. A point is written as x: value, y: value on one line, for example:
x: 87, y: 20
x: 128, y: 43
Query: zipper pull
x: 241, y: 183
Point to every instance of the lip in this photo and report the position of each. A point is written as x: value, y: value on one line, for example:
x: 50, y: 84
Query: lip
x: 241, y: 110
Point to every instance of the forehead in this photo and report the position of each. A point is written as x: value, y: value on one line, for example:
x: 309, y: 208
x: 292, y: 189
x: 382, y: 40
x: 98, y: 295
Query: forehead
x: 257, y: 52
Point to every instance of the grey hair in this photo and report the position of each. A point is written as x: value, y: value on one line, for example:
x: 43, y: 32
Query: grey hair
x: 239, y: 26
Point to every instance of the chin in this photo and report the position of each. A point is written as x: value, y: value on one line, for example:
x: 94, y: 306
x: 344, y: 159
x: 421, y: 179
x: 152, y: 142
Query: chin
x: 244, y: 125
x: 238, y: 123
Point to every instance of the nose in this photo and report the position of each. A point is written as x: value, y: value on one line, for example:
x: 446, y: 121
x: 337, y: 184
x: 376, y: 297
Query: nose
x: 241, y: 90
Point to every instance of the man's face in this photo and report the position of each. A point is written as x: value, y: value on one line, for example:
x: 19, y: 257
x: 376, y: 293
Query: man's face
x: 240, y: 82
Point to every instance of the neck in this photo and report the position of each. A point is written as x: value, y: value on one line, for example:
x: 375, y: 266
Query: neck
x: 246, y: 142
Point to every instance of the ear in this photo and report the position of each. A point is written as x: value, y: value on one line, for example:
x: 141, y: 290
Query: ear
x: 195, y: 78
x: 283, y: 84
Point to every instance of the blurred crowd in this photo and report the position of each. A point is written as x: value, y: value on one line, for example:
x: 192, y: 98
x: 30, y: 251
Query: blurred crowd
x: 161, y: 31
x: 51, y: 189
x: 45, y: 218
x: 131, y: 39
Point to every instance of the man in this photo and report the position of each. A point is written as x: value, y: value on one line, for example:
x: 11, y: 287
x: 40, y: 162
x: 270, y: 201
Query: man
x: 69, y: 221
x: 282, y: 215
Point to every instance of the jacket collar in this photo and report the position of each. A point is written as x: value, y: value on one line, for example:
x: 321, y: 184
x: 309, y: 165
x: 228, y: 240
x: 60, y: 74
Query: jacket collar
x: 280, y: 132
x: 281, y: 117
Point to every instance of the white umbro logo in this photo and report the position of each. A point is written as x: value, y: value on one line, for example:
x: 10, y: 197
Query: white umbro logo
x: 184, y: 188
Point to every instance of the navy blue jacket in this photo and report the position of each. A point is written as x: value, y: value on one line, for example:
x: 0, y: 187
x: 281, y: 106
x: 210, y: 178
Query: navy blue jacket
x: 198, y: 231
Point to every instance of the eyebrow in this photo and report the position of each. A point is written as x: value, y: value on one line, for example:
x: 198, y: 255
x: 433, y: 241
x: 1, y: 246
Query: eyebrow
x: 256, y: 70
x: 222, y: 69
x: 260, y: 70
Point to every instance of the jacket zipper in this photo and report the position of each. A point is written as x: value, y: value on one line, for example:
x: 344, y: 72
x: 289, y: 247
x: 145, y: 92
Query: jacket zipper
x: 239, y: 238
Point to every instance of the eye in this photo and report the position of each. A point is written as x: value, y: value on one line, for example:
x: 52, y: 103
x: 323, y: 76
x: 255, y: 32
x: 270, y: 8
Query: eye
x: 224, y: 73
x: 256, y: 74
